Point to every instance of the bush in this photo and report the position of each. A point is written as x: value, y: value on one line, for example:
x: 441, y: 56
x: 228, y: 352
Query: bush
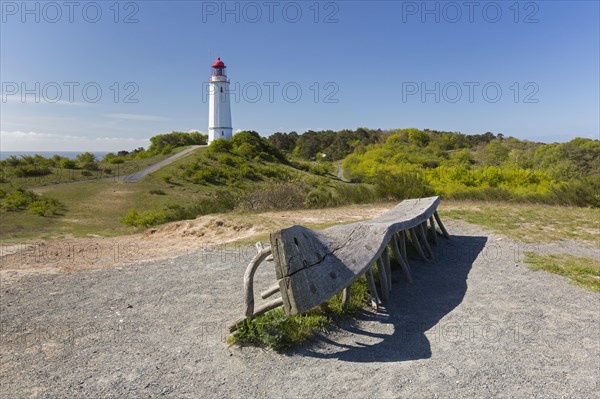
x: 21, y: 199
x: 275, y: 196
x: 220, y: 202
x: 143, y: 218
x: 46, y: 207
x: 31, y: 171
x: 320, y: 168
x: 220, y: 146
x: 68, y: 164
x: 166, y: 177
x: 157, y: 192
x: 400, y: 186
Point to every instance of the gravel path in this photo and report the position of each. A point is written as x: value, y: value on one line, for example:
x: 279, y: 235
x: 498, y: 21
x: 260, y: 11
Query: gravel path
x: 137, y: 176
x: 475, y: 323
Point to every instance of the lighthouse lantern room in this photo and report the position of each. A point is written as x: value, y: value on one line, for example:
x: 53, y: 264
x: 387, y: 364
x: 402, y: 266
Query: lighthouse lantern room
x: 219, y: 113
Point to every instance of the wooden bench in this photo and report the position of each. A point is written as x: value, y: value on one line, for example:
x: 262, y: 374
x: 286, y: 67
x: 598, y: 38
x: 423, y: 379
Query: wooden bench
x: 312, y: 266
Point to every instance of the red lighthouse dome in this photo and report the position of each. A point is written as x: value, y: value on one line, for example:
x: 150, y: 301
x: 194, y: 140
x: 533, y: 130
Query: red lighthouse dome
x: 219, y: 64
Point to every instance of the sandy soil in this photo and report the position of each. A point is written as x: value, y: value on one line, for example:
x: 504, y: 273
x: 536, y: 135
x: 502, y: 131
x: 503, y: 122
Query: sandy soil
x: 167, y: 241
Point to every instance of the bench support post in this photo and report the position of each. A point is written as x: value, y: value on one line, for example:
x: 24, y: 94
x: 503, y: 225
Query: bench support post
x: 403, y: 264
x: 415, y: 241
x: 439, y: 222
x: 383, y: 280
x: 372, y: 289
x: 388, y: 266
x: 433, y: 230
x: 346, y: 293
x: 422, y: 229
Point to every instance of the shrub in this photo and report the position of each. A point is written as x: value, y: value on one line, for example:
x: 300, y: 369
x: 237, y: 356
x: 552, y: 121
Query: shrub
x: 319, y: 197
x: 46, y: 207
x: 275, y: 196
x: 143, y: 218
x: 220, y: 146
x: 399, y: 186
x: 68, y: 164
x: 157, y: 192
x: 21, y: 199
x: 221, y: 201
x: 31, y: 171
x: 166, y: 177
x: 320, y: 168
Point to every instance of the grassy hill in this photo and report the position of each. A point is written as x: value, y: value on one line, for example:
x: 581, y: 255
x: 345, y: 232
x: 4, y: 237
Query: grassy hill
x: 245, y: 173
x: 287, y: 171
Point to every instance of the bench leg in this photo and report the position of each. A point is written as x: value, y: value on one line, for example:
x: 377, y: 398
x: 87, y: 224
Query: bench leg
x: 249, y: 279
x: 422, y: 229
x: 403, y: 264
x: 415, y: 241
x: 383, y: 280
x: 433, y: 230
x: 439, y: 222
x: 388, y: 266
x: 372, y: 289
x: 402, y: 238
x: 346, y: 293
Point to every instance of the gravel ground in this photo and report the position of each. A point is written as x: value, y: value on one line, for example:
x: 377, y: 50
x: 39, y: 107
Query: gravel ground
x: 474, y: 323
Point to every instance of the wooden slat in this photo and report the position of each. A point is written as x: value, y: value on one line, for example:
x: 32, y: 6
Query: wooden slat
x: 315, y: 265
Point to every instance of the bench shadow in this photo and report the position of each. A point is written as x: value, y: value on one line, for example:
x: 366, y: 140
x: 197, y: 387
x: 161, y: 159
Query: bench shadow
x: 412, y: 310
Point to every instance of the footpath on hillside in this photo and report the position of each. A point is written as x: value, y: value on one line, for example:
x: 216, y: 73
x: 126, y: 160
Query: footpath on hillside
x: 137, y: 176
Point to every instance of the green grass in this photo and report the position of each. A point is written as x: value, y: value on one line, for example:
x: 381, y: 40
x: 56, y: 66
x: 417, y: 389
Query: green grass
x: 95, y: 207
x: 528, y: 222
x: 582, y: 271
x: 62, y: 176
x: 277, y: 331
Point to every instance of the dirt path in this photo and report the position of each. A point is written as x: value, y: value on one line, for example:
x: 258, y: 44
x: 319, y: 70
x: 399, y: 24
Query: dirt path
x: 476, y: 322
x: 340, y: 174
x: 136, y: 177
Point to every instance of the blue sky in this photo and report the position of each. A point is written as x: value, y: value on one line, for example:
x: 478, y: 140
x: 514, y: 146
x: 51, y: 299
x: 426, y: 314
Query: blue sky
x: 526, y: 69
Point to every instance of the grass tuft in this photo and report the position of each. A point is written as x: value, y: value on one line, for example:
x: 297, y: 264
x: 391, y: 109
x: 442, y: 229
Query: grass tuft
x: 582, y: 271
x: 277, y: 331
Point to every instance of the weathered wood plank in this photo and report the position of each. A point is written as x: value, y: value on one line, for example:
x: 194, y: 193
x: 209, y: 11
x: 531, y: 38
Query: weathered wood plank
x: 249, y: 279
x: 312, y: 266
x: 263, y: 308
x: 270, y: 291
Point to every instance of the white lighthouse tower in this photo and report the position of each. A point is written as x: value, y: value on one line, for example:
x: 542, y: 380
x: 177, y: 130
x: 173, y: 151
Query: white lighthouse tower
x: 219, y: 112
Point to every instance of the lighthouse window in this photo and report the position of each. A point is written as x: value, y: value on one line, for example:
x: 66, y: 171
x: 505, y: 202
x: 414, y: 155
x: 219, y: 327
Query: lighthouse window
x: 222, y: 133
x: 221, y: 90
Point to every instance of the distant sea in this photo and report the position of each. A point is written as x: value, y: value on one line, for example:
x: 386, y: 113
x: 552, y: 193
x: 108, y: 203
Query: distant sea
x: 48, y: 154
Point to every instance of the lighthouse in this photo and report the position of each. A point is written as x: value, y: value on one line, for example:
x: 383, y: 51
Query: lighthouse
x: 219, y: 112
